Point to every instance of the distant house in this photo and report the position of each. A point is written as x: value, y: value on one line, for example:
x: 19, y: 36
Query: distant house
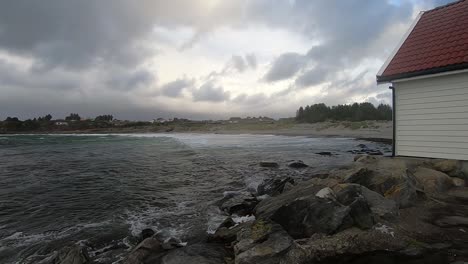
x: 158, y: 121
x: 234, y: 120
x: 428, y: 73
x: 60, y: 123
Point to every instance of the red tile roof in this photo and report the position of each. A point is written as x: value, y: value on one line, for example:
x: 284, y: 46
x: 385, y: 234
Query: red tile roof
x: 438, y: 42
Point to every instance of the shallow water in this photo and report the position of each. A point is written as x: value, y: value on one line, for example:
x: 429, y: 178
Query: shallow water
x: 102, y: 190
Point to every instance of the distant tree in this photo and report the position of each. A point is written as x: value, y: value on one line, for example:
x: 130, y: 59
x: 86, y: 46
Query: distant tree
x: 73, y: 117
x: 300, y: 114
x: 48, y: 117
x: 355, y: 112
x: 106, y: 118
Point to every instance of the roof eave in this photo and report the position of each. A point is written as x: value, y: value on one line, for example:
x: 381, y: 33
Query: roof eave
x: 406, y: 75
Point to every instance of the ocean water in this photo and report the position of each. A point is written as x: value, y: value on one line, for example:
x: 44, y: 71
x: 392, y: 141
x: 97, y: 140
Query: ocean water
x: 102, y: 190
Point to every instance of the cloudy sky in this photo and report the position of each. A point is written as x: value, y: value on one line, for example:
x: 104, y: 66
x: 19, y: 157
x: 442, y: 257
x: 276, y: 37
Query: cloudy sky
x: 194, y: 58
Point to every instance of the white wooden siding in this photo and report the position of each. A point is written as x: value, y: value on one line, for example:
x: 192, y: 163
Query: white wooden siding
x: 432, y: 117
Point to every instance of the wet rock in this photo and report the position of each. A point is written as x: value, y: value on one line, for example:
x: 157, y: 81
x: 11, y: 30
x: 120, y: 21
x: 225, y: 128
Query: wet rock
x: 268, y: 251
x: 242, y: 204
x: 380, y: 207
x: 267, y: 207
x: 433, y: 181
x: 305, y: 217
x: 326, y: 193
x: 145, y: 233
x: 452, y: 221
x: 228, y: 222
x: 360, y: 211
x: 287, y: 187
x: 273, y: 187
x: 457, y: 182
x: 299, y: 164
x: 324, y: 153
x: 348, y: 242
x: 72, y: 255
x: 269, y: 164
x: 171, y: 243
x: 227, y: 234
x: 361, y: 146
x: 202, y: 253
x: 143, y: 251
x: 374, y: 152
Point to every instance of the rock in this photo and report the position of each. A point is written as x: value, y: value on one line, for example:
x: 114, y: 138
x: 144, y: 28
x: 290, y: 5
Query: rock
x: 452, y: 221
x: 242, y: 204
x: 228, y: 222
x: 433, y: 181
x: 297, y: 164
x: 72, y: 255
x: 361, y: 146
x: 287, y: 187
x: 145, y: 233
x: 143, y: 250
x: 457, y: 182
x: 171, y: 243
x: 447, y: 165
x: 261, y: 242
x: 227, y: 235
x: 358, y: 156
x: 266, y: 252
x: 273, y: 187
x: 202, y: 253
x: 268, y: 164
x: 306, y: 216
x: 326, y: 193
x: 267, y: 207
x: 349, y: 242
x: 388, y: 177
x: 380, y: 207
x: 324, y: 153
x: 375, y: 152
x: 360, y: 212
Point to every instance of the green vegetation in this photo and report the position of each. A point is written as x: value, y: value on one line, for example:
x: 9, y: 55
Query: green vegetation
x: 353, y: 112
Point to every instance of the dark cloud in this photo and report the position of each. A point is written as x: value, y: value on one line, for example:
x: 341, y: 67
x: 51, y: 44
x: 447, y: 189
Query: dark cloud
x: 285, y: 66
x: 127, y: 81
x: 312, y: 77
x: 209, y: 92
x: 174, y: 88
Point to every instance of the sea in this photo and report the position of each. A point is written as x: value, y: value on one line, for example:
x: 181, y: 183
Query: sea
x: 100, y: 191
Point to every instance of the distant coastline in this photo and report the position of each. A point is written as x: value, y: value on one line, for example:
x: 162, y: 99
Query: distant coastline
x: 380, y: 131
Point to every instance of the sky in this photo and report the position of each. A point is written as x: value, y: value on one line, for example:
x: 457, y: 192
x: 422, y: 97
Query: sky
x: 198, y: 59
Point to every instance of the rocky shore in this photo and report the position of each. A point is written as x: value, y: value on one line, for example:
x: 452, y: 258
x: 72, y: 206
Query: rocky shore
x: 378, y: 209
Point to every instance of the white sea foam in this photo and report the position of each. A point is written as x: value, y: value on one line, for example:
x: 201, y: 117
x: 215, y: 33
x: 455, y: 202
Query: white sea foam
x: 243, y: 219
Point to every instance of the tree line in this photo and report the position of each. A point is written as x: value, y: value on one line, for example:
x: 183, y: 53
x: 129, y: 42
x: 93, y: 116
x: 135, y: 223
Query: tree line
x: 73, y: 121
x: 346, y: 112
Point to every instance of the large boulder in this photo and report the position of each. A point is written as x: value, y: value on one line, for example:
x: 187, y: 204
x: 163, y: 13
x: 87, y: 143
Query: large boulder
x: 142, y: 251
x: 297, y: 164
x: 72, y: 255
x: 267, y: 207
x: 388, y: 177
x: 241, y: 204
x: 306, y: 216
x: 352, y: 241
x: 269, y: 164
x: 202, y: 253
x: 381, y: 207
x: 446, y: 166
x: 432, y: 181
x: 273, y: 187
x: 261, y: 242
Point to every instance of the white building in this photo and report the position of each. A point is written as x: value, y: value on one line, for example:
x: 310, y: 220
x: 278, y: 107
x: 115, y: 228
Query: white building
x: 428, y: 73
